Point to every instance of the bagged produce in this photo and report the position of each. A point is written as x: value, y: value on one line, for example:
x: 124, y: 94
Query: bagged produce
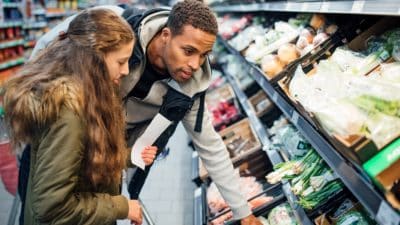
x: 282, y: 33
x: 244, y: 38
x: 352, y: 218
x: 271, y: 65
x: 287, y: 53
x: 293, y: 141
x: 391, y: 72
x: 282, y: 215
x: 346, y: 102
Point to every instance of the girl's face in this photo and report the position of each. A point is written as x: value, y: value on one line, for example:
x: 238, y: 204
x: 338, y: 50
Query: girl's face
x: 117, y: 62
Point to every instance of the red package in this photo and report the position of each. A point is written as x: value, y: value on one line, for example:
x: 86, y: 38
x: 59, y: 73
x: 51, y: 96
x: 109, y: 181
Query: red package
x: 8, y: 168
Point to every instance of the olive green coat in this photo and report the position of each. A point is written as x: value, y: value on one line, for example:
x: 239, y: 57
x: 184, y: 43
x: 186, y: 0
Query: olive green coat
x: 57, y: 192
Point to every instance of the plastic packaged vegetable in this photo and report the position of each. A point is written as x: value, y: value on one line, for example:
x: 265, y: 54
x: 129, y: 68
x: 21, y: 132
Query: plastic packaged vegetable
x: 282, y: 215
x: 352, y: 218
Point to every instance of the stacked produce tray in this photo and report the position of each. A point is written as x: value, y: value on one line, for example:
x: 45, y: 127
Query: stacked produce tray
x: 350, y: 173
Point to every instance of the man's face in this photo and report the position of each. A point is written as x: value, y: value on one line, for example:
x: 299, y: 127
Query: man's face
x: 186, y: 52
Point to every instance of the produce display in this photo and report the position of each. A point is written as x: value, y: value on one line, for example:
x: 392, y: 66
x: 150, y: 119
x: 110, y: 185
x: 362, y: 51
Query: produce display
x: 311, y: 179
x: 249, y: 187
x: 352, y: 218
x: 345, y: 101
x: 239, y: 145
x: 230, y: 25
x: 280, y: 215
x: 275, y: 47
x: 222, y: 106
x: 350, y: 93
x: 223, y: 114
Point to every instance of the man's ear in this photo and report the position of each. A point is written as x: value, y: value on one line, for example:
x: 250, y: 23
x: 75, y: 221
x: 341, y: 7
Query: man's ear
x: 166, y: 34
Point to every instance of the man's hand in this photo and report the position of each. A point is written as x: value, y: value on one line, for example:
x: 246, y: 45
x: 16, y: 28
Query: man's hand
x: 135, y: 212
x: 149, y: 154
x: 250, y: 220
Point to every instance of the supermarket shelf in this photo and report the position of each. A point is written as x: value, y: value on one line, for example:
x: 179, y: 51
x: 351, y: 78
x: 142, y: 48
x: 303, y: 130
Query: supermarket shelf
x: 55, y: 15
x: 273, y: 155
x: 297, y: 210
x: 38, y: 12
x: 60, y: 14
x: 6, y: 24
x: 11, y: 43
x: 11, y: 4
x: 362, y: 189
x: 366, y: 7
x: 35, y: 25
x: 30, y: 44
x: 11, y: 63
x: 254, y: 121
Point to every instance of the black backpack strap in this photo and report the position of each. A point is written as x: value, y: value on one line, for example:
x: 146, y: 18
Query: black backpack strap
x: 175, y: 105
x: 200, y: 113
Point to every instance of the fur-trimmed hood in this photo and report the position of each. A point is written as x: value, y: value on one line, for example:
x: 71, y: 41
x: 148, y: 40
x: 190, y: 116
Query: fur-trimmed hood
x: 31, y: 105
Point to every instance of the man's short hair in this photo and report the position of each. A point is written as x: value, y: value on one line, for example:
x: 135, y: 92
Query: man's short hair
x: 194, y: 13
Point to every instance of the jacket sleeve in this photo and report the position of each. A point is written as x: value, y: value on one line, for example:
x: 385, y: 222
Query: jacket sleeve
x: 55, y: 177
x: 215, y: 157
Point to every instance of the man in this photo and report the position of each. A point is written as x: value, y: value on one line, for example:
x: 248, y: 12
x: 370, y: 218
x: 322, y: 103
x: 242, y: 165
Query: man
x: 169, y: 73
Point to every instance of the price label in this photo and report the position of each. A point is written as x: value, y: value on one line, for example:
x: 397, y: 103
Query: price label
x: 358, y: 6
x: 386, y: 215
x: 304, y: 6
x: 275, y: 97
x: 325, y: 7
x: 251, y: 71
x: 295, y: 117
x: 288, y: 193
x: 197, y: 193
x: 288, y: 6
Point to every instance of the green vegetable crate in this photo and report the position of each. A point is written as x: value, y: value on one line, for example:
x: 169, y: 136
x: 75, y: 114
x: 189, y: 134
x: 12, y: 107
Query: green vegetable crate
x: 384, y: 169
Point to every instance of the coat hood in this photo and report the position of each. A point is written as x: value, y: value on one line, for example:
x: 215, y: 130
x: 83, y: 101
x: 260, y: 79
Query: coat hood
x: 30, y: 106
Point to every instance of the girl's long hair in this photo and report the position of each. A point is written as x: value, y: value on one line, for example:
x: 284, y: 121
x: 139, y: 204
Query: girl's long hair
x: 72, y: 73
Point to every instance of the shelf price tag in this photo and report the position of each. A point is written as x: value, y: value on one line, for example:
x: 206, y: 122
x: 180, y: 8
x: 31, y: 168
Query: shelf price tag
x: 325, y: 7
x: 275, y: 97
x: 288, y: 5
x: 386, y: 215
x: 304, y: 6
x: 358, y: 6
x: 295, y: 117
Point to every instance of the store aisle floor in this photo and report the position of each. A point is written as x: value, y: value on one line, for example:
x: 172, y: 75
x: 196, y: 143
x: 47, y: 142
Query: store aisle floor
x: 6, y: 201
x: 168, y: 191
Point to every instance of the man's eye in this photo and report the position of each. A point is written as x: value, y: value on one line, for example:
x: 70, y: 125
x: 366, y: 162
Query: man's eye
x: 188, y: 51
